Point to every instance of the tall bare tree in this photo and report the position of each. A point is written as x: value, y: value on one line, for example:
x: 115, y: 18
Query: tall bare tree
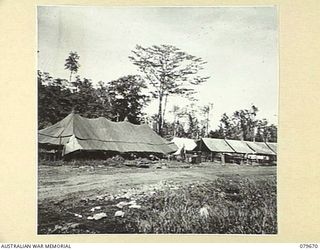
x: 206, y: 112
x: 169, y: 71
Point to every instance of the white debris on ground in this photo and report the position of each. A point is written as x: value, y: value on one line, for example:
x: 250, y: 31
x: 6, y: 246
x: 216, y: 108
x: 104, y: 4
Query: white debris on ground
x: 97, y: 216
x: 204, y: 211
x: 119, y: 214
x: 122, y: 204
x: 142, y: 192
x: 132, y: 202
x: 66, y: 227
x: 95, y: 208
x: 135, y: 206
x: 132, y: 195
x: 126, y: 196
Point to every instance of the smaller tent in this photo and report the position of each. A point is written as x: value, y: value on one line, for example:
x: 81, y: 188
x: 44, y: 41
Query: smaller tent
x: 213, y: 148
x: 214, y: 145
x: 239, y: 147
x: 235, y: 150
x: 260, y: 148
x: 272, y: 146
x: 188, y: 144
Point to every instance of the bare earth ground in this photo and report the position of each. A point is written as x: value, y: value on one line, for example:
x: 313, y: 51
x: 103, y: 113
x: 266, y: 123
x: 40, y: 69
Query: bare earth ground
x: 58, y: 181
x: 66, y: 191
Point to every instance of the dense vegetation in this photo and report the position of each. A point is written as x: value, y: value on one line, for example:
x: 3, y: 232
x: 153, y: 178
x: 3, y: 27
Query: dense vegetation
x: 165, y: 71
x: 225, y: 206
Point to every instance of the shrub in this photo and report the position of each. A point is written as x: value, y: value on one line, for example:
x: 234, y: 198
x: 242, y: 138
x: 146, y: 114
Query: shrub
x: 225, y: 206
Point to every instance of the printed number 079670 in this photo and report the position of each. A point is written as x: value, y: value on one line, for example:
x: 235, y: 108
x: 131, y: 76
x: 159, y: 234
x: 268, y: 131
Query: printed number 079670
x: 308, y: 245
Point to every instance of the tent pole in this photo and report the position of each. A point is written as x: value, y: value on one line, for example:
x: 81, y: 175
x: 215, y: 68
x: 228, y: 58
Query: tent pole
x: 60, y: 146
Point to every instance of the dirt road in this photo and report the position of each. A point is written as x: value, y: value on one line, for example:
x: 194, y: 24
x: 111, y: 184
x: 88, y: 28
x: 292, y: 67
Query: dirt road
x: 56, y: 182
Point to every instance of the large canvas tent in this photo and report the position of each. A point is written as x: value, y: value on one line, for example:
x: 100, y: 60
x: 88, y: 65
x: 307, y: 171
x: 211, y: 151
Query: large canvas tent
x: 76, y: 133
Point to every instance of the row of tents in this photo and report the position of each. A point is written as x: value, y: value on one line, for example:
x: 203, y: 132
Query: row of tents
x: 226, y: 149
x: 77, y: 136
x: 225, y: 146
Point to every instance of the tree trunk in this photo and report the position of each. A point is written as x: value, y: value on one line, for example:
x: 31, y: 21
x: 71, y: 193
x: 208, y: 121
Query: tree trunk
x: 208, y: 119
x: 174, y: 125
x: 70, y: 76
x: 164, y: 108
x: 160, y: 116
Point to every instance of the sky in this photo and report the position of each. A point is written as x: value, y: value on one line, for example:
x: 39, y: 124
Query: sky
x: 240, y: 45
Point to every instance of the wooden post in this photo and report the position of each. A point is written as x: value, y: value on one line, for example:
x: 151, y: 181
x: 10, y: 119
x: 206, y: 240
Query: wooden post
x: 241, y: 161
x: 60, y: 143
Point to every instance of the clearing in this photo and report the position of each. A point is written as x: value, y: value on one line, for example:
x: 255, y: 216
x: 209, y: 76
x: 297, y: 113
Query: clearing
x: 67, y: 194
x: 58, y: 181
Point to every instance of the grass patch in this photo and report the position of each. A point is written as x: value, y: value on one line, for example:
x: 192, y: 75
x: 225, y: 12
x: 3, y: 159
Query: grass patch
x: 225, y: 206
x: 229, y: 205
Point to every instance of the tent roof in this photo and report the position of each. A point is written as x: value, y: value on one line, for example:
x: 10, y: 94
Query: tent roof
x: 273, y: 146
x: 240, y: 146
x: 189, y: 144
x: 76, y: 132
x: 217, y: 145
x: 260, y: 148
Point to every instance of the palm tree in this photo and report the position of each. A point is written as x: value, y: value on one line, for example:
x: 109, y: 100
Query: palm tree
x: 72, y: 63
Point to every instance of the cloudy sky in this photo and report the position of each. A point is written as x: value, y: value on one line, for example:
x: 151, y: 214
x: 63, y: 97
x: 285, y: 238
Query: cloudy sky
x: 239, y: 43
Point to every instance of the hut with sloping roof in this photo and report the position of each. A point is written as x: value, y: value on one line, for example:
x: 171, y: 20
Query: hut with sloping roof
x: 262, y: 152
x: 272, y: 146
x: 260, y: 148
x: 213, y: 148
x: 241, y: 149
x: 236, y: 151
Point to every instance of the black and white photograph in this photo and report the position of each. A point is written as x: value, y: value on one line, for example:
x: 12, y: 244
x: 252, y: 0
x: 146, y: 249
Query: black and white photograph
x: 157, y: 120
